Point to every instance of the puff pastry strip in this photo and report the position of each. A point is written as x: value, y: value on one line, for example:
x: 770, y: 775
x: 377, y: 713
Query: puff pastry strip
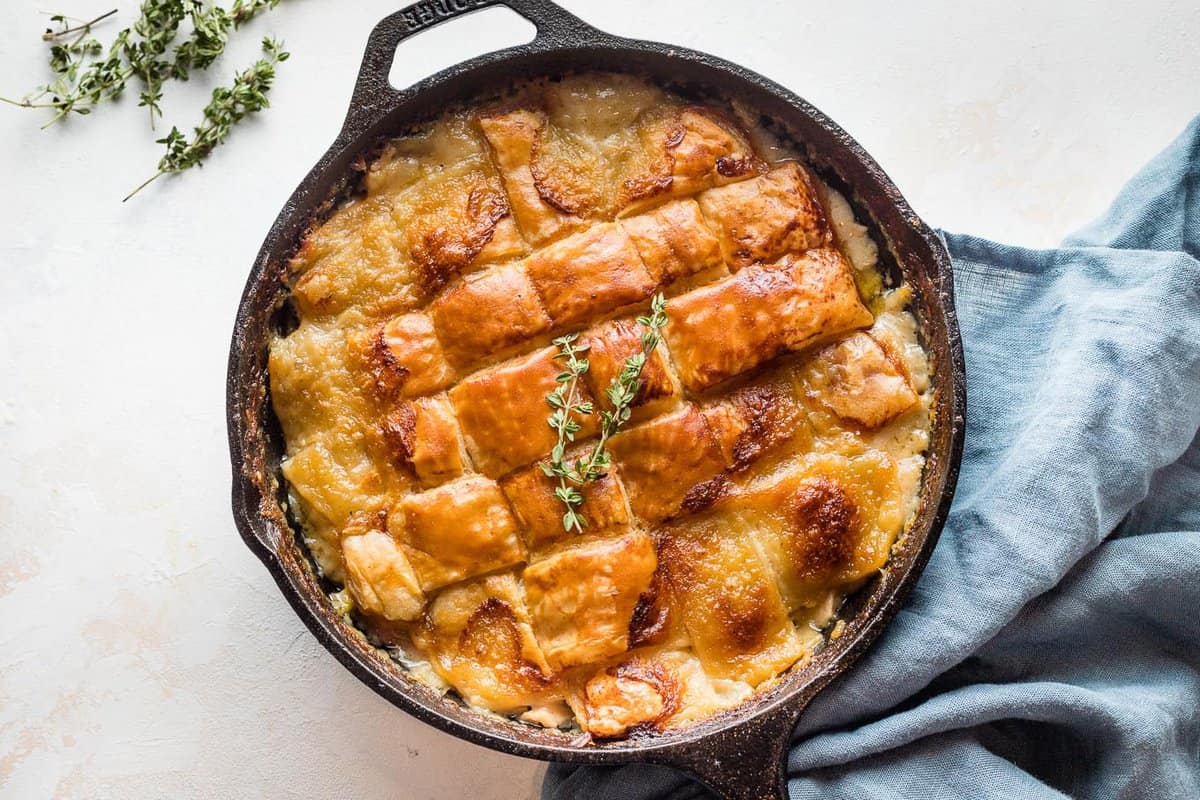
x: 728, y: 600
x: 503, y: 411
x: 478, y: 638
x: 763, y: 218
x: 487, y: 312
x: 582, y: 598
x: 763, y: 311
x: 456, y: 531
x: 513, y: 137
x: 589, y: 274
x: 859, y: 380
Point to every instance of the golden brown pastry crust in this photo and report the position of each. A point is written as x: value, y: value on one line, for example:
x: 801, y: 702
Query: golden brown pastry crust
x: 656, y: 620
x: 757, y: 420
x: 765, y: 218
x: 449, y: 242
x: 487, y: 312
x: 736, y: 324
x: 728, y: 600
x: 670, y: 465
x: 380, y: 578
x: 355, y: 260
x: 650, y: 690
x: 758, y: 479
x: 502, y: 412
x: 423, y: 435
x: 860, y: 381
x: 568, y: 172
x: 530, y: 493
x: 479, y: 640
x: 582, y: 598
x: 707, y: 151
x: 406, y: 359
x: 603, y: 260
x: 456, y: 531
x: 609, y: 345
x: 675, y: 242
x: 331, y: 484
x: 513, y: 137
x: 829, y: 521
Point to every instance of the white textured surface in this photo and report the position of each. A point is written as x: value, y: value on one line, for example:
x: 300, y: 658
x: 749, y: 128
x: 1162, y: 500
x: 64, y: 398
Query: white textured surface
x: 144, y: 652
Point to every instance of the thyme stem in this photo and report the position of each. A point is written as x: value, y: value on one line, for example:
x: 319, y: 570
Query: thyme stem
x: 85, y: 27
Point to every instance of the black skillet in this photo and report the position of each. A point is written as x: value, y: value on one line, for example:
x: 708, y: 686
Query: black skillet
x: 740, y: 753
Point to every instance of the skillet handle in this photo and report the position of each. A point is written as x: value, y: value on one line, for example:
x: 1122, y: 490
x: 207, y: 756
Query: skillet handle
x: 374, y: 95
x: 746, y: 762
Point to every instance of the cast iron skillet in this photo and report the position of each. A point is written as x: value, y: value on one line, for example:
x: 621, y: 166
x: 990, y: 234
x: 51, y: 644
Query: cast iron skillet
x: 739, y: 753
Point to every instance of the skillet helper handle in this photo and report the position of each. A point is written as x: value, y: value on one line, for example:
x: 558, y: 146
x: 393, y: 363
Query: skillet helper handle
x: 374, y: 94
x: 746, y: 762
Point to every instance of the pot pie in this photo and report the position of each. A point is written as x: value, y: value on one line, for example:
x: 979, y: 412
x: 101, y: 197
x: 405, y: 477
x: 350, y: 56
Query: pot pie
x: 774, y: 450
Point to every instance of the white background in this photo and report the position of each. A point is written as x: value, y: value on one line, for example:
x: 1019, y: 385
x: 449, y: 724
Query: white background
x: 144, y: 652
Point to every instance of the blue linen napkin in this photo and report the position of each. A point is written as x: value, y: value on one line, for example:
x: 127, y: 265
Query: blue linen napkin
x: 1052, y: 647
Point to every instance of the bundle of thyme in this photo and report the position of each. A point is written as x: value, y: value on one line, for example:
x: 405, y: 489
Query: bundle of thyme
x: 565, y: 401
x: 88, y: 74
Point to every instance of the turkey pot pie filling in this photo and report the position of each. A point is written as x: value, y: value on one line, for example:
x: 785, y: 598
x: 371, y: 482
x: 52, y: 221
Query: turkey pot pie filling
x: 774, y: 451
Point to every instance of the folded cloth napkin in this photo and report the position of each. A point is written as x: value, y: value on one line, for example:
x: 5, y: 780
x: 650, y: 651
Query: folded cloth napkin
x: 1052, y: 647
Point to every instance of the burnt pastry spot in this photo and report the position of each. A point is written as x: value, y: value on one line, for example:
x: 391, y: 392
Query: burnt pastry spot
x: 651, y: 619
x: 404, y: 358
x: 820, y: 528
x: 423, y: 436
x: 449, y: 248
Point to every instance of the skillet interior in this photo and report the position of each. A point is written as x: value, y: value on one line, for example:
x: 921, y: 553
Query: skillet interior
x: 739, y: 737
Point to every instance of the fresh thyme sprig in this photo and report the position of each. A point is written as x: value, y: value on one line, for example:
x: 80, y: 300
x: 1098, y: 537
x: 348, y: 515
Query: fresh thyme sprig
x: 566, y: 404
x: 68, y: 57
x: 621, y: 392
x: 88, y: 75
x: 210, y: 33
x: 229, y: 105
x: 623, y: 389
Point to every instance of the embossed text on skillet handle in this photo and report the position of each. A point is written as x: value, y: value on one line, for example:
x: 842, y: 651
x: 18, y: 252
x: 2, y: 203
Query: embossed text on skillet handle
x: 374, y: 95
